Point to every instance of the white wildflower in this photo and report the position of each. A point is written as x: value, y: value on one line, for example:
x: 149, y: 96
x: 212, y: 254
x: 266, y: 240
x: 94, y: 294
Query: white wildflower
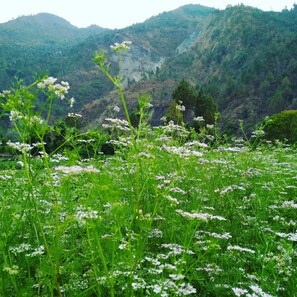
x: 58, y: 157
x: 23, y: 147
x: 289, y: 204
x: 121, y: 47
x: 157, y: 289
x: 182, y: 151
x: 175, y: 248
x: 5, y: 177
x: 5, y: 93
x: 258, y: 133
x: 172, y: 199
x: 59, y: 90
x: 156, y: 233
x: 198, y: 119
x: 14, y: 270
x: 259, y: 292
x: 180, y: 108
x: 199, y: 216
x: 178, y: 190
x: 186, y: 289
x: 49, y: 81
x: 240, y: 249
x: 225, y: 235
x: 196, y: 143
x: 74, y: 115
x: 288, y: 236
x: 71, y: 102
x: 231, y: 189
x: 119, y: 124
x: 116, y: 109
x: 38, y: 251
x: 176, y: 276
x: 15, y: 115
x: 76, y: 169
x: 82, y: 215
x: 123, y: 245
x: 238, y: 292
x: 23, y: 247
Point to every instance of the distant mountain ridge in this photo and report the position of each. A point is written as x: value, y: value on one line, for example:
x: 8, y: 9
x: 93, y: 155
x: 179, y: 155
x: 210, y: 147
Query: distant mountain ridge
x: 244, y: 57
x: 43, y: 27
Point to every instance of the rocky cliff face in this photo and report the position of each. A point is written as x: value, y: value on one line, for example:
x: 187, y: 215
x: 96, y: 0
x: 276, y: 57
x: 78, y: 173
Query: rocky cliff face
x: 139, y: 64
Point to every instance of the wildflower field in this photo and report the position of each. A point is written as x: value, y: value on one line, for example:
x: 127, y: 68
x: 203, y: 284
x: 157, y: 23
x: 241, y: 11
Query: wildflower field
x: 172, y: 213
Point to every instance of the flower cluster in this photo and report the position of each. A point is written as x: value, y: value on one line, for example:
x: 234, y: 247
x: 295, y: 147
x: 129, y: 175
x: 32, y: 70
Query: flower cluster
x: 5, y: 93
x: 30, y: 120
x: 59, y: 89
x: 180, y: 108
x: 14, y: 270
x: 181, y: 151
x: 119, y: 124
x: 23, y: 147
x: 240, y: 249
x: 121, y: 47
x: 75, y: 169
x: 74, y: 115
x: 199, y: 216
x: 83, y: 214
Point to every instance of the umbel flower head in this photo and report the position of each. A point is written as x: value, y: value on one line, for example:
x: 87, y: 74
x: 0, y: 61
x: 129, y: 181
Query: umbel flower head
x: 59, y: 90
x: 121, y: 47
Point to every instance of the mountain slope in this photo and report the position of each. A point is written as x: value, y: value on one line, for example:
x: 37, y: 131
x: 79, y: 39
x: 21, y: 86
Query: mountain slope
x: 153, y: 42
x: 31, y: 46
x: 244, y: 57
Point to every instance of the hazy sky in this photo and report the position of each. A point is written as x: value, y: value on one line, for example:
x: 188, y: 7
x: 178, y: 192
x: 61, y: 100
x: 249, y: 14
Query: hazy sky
x: 117, y: 13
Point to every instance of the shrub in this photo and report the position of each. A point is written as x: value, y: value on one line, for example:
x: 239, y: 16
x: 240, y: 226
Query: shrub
x: 282, y: 126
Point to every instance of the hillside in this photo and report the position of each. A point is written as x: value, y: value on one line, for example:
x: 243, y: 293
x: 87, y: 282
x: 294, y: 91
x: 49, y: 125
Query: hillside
x: 31, y: 46
x: 245, y: 58
x: 242, y: 56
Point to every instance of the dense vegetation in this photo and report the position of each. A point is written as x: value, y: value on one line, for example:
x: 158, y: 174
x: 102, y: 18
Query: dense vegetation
x: 172, y: 212
x: 188, y: 104
x: 282, y: 126
x: 244, y: 59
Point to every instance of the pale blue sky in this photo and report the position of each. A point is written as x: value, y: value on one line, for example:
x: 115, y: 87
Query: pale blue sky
x: 117, y: 13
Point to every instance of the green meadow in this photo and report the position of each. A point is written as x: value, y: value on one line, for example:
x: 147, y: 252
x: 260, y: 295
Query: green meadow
x: 172, y: 212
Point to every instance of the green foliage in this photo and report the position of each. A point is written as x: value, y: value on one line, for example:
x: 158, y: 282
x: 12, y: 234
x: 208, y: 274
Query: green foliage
x: 245, y: 62
x: 188, y: 103
x: 142, y: 114
x: 174, y: 114
x: 205, y: 106
x: 185, y: 93
x: 168, y: 215
x: 282, y: 126
x: 72, y: 229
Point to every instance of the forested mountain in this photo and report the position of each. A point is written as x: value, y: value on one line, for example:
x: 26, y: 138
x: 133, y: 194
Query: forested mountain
x: 37, y: 44
x: 244, y: 57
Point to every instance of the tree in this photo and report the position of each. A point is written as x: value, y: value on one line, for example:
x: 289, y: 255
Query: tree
x: 184, y: 93
x: 205, y: 106
x: 195, y: 103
